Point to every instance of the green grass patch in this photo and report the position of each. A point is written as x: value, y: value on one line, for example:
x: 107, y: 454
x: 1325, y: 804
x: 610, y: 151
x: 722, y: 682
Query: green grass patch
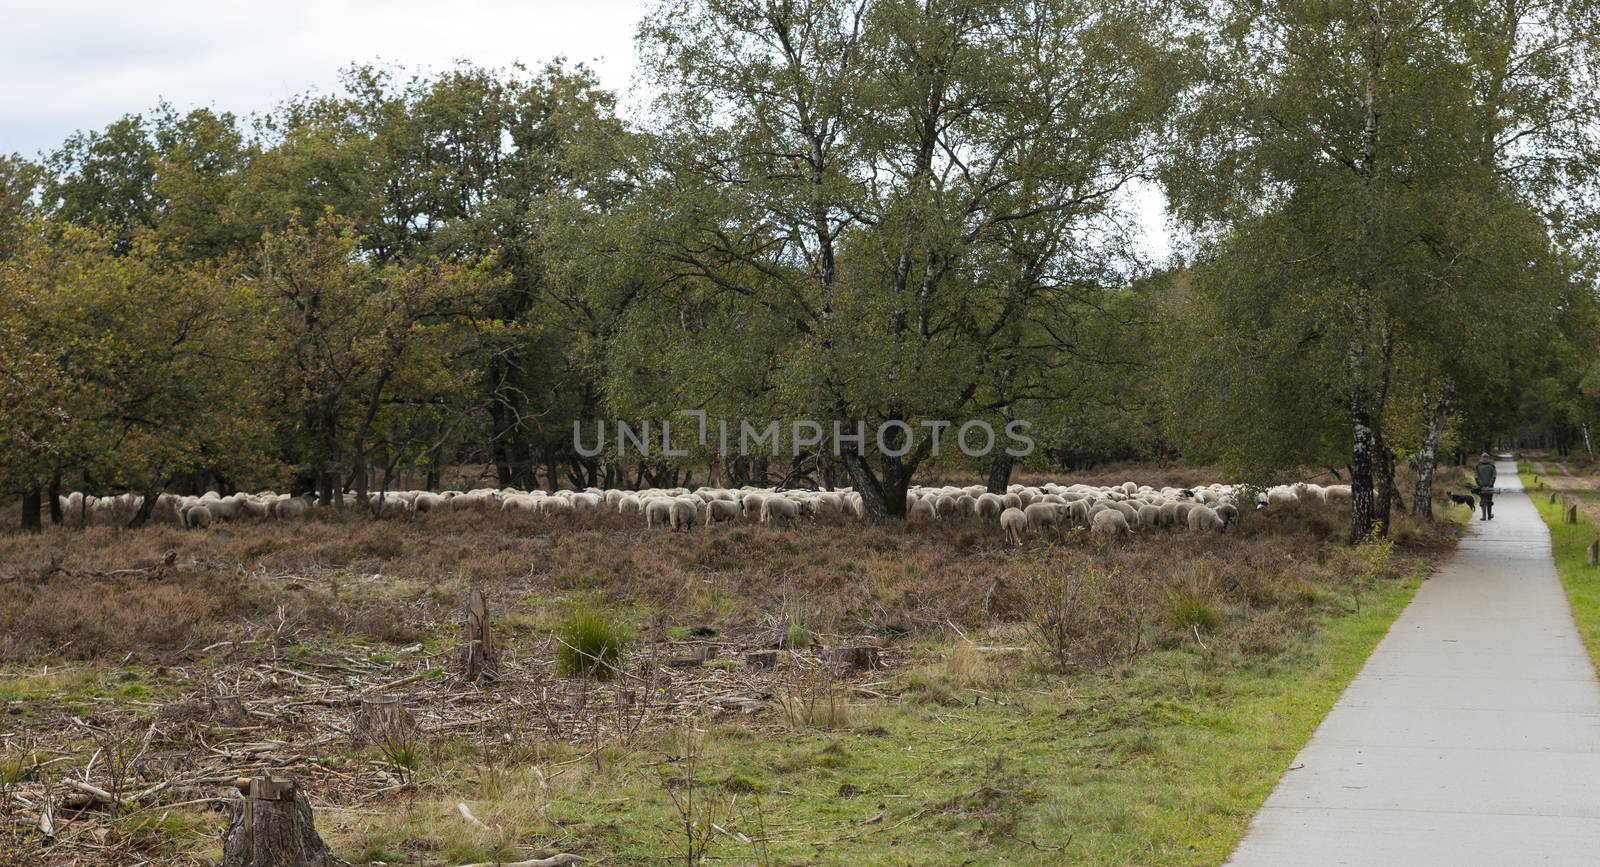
x: 1570, y: 543
x: 1161, y: 762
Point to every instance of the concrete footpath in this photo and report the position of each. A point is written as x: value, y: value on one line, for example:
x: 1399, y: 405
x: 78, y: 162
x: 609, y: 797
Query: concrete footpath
x: 1471, y: 736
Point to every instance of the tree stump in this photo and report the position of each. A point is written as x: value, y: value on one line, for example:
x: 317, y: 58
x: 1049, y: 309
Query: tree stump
x: 380, y: 720
x: 701, y: 656
x: 271, y: 826
x: 477, y: 658
x: 761, y: 658
x: 1552, y: 498
x: 228, y: 710
x: 1572, y: 514
x: 1594, y: 553
x: 857, y: 658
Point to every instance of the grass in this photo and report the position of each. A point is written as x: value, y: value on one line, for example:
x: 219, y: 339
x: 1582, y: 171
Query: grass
x: 1570, y: 543
x: 591, y: 646
x: 1164, y: 761
x: 1190, y: 670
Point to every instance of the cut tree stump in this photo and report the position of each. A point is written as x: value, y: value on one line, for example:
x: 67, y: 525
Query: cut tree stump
x: 1572, y: 514
x: 1552, y: 498
x: 761, y: 658
x: 701, y: 656
x: 271, y: 826
x: 381, y: 719
x: 858, y: 657
x: 229, y: 710
x: 1594, y: 553
x: 477, y: 658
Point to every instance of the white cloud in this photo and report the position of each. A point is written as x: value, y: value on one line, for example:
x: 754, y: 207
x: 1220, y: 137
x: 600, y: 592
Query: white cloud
x: 69, y: 66
x: 80, y: 65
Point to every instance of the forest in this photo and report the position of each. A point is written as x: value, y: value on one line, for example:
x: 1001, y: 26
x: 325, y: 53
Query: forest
x: 1382, y: 216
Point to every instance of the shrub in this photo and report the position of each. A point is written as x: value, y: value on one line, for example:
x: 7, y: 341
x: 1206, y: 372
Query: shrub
x: 1188, y: 612
x: 591, y: 646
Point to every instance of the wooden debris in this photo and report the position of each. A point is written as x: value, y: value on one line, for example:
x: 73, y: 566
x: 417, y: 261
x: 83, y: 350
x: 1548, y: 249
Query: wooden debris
x: 381, y: 719
x: 855, y: 657
x: 761, y: 658
x: 701, y: 656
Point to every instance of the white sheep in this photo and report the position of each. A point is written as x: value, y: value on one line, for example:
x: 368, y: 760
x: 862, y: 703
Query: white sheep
x: 1204, y: 518
x: 684, y: 513
x: 1014, y: 524
x: 778, y: 508
x: 722, y: 510
x: 195, y: 516
x: 920, y: 512
x: 1110, y: 523
x: 1041, y: 515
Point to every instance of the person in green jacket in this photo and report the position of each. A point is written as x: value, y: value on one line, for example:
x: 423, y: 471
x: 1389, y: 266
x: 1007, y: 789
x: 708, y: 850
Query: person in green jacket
x: 1484, y: 475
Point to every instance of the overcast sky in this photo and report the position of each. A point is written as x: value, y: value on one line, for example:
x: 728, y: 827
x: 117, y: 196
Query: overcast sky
x: 80, y: 64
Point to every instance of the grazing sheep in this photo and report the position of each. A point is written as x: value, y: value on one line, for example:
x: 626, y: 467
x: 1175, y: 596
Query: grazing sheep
x: 779, y: 508
x: 1180, y: 515
x: 1014, y: 524
x: 195, y: 517
x: 1041, y: 515
x: 1109, y: 524
x: 684, y: 513
x: 291, y: 507
x: 658, y: 512
x: 1205, y: 518
x: 251, y: 507
x: 628, y: 504
x: 553, y: 505
x: 1149, y: 515
x: 920, y: 512
x: 428, y: 502
x: 990, y: 506
x: 586, y: 501
x: 722, y: 510
x: 1228, y: 512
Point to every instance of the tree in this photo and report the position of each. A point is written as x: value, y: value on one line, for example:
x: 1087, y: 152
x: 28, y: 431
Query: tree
x: 357, y: 350
x: 887, y: 190
x: 1340, y: 171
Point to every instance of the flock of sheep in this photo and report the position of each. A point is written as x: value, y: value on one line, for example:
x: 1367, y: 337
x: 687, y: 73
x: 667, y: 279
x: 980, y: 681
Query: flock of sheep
x: 1022, y: 511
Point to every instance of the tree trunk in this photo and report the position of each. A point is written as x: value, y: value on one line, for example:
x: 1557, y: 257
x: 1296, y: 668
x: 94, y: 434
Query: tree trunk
x: 142, y: 517
x: 1000, y: 472
x: 1361, y: 505
x: 1384, y: 497
x: 32, y: 500
x: 1434, y: 420
x: 272, y: 826
x: 55, y: 498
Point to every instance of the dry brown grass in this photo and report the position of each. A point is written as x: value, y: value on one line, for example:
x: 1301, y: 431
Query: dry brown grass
x: 102, y: 592
x: 297, y: 617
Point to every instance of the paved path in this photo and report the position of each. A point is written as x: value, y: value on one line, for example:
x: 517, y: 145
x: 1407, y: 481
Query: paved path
x: 1472, y: 736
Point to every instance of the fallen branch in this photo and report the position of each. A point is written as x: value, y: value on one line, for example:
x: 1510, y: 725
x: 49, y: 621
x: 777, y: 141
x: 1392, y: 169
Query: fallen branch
x: 553, y: 861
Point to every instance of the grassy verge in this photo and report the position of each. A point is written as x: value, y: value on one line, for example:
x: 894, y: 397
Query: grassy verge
x: 1164, y: 761
x: 1570, y: 543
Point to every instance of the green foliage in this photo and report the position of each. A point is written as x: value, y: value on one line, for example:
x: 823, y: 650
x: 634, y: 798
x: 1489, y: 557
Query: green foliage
x: 590, y: 646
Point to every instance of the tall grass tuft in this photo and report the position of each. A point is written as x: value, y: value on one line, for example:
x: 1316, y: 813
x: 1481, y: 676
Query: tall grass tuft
x: 591, y: 646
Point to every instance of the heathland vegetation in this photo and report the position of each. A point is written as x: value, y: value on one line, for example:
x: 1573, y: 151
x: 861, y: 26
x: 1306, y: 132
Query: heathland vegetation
x: 288, y: 405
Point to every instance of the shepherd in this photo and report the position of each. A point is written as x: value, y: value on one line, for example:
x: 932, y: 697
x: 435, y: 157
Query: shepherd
x: 1484, y: 475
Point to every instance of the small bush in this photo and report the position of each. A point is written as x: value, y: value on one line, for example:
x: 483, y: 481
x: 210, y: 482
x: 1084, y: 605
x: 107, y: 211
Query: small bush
x: 591, y: 646
x: 1188, y: 612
